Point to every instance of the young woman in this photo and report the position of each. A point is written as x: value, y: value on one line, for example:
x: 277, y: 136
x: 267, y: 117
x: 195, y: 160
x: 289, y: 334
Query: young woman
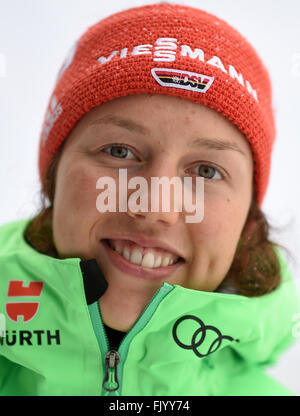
x: 131, y: 301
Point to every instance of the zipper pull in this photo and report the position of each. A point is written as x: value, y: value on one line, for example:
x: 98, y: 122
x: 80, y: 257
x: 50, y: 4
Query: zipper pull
x: 111, y: 382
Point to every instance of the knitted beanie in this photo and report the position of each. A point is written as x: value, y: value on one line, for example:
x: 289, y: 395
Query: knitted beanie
x: 165, y: 49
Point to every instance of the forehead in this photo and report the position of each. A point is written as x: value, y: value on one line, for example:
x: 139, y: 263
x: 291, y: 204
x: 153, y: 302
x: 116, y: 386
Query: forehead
x: 148, y: 115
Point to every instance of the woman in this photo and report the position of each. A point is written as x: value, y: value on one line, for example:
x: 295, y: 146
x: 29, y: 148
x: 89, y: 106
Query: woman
x: 141, y: 301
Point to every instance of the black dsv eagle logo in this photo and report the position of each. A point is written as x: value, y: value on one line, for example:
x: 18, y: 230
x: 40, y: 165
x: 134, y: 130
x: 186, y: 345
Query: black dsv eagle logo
x: 215, y: 345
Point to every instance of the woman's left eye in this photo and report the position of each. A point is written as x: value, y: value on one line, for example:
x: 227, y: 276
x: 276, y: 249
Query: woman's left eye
x: 208, y: 172
x: 120, y: 152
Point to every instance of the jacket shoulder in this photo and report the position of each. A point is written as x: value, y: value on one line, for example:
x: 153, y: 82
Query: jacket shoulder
x: 275, y: 315
x: 12, y: 236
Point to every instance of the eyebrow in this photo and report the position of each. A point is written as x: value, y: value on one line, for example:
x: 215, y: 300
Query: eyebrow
x: 130, y: 125
x: 217, y: 144
x: 127, y: 124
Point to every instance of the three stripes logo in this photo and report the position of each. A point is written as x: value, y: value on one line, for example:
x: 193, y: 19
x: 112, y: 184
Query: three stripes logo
x: 27, y: 310
x: 175, y: 78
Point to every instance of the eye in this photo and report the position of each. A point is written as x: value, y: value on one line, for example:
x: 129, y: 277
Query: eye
x: 208, y: 172
x: 120, y: 152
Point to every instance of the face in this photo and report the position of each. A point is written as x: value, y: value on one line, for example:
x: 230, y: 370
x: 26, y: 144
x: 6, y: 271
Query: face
x: 152, y: 136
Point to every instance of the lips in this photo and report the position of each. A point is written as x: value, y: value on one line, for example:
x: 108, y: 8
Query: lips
x: 145, y: 242
x: 137, y: 270
x: 143, y: 256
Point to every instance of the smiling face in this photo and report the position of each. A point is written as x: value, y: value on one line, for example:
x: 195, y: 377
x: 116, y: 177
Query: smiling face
x: 152, y: 136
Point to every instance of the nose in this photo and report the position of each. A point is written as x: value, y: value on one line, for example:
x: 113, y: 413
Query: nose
x: 167, y: 218
x: 158, y: 199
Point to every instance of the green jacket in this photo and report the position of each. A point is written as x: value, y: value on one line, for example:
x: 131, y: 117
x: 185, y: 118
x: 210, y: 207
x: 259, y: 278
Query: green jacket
x: 186, y: 342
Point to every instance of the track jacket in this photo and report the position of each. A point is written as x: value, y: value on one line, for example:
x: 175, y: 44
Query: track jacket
x: 185, y: 342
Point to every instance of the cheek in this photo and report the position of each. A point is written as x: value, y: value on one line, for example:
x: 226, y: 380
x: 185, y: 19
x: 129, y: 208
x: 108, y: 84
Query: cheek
x: 76, y: 191
x: 74, y: 206
x: 215, y: 241
x: 221, y: 227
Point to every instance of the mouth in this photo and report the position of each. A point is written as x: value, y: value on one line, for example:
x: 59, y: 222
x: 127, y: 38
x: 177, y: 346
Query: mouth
x: 144, y: 262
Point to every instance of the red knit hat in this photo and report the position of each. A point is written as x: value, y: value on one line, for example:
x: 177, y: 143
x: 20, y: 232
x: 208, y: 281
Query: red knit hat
x: 165, y: 49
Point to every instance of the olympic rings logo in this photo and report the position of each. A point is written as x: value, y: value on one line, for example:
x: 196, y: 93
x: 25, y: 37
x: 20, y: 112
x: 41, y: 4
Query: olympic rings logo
x: 215, y: 345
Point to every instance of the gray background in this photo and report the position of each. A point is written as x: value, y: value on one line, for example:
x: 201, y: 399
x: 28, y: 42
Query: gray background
x: 35, y: 36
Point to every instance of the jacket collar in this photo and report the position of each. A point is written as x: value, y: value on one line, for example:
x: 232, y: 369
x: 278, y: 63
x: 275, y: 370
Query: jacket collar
x: 259, y: 327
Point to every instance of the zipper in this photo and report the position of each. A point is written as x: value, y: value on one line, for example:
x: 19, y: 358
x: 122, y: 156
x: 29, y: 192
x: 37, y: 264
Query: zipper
x: 111, y: 381
x: 113, y: 362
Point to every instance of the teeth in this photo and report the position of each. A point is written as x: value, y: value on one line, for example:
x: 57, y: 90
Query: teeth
x: 148, y: 260
x: 166, y: 261
x: 157, y: 262
x: 134, y: 255
x: 118, y: 248
x: 126, y: 253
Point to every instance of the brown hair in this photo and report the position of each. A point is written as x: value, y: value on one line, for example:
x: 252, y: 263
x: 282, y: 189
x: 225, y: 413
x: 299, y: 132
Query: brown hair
x: 255, y: 269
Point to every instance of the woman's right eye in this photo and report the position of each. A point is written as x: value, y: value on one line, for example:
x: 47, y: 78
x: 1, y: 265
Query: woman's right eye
x: 117, y: 151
